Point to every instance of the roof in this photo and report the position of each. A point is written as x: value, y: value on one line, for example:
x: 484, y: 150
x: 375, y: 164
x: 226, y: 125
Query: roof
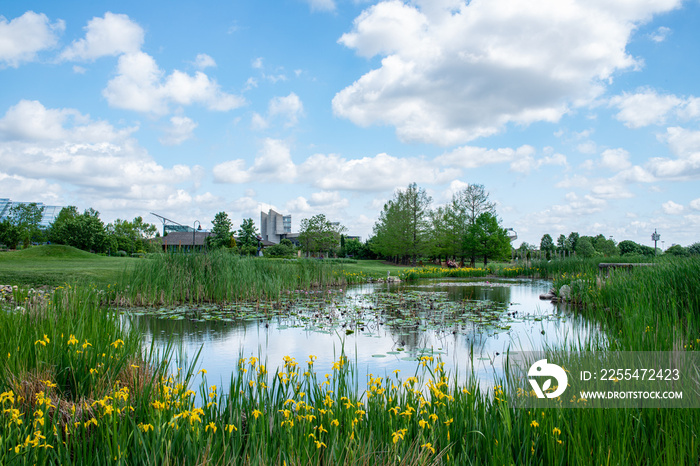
x: 184, y: 238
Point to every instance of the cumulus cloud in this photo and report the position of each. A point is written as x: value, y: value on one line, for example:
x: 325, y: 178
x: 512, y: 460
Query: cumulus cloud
x: 615, y: 159
x: 672, y: 208
x: 204, y: 61
x: 685, y: 145
x: 98, y: 159
x: 447, y: 68
x: 644, y: 108
x: 660, y: 34
x: 288, y: 109
x: 377, y: 173
x: 113, y: 34
x: 142, y: 86
x: 328, y: 202
x: 23, y: 37
x: 181, y: 129
x: 521, y: 160
x: 695, y: 204
x: 272, y: 163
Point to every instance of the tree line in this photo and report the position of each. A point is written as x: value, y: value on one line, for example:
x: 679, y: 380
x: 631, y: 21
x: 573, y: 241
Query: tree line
x: 84, y: 231
x: 466, y: 228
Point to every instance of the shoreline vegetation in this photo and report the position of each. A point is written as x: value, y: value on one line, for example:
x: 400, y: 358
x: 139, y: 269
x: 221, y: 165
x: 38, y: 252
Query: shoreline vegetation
x: 77, y: 387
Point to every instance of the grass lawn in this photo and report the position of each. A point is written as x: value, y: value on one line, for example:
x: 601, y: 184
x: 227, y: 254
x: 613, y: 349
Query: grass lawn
x: 374, y: 268
x: 56, y: 264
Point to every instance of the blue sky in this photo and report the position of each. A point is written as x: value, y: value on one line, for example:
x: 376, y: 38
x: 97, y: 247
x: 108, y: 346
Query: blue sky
x: 575, y: 115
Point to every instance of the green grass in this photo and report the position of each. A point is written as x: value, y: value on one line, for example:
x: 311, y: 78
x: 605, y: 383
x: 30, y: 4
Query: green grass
x: 55, y: 265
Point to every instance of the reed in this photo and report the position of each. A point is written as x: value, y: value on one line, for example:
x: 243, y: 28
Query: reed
x: 220, y: 276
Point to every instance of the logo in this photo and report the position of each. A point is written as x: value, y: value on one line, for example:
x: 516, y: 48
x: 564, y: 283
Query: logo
x: 543, y: 369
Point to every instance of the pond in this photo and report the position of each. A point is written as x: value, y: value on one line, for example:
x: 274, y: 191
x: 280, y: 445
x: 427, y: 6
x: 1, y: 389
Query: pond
x: 469, y: 324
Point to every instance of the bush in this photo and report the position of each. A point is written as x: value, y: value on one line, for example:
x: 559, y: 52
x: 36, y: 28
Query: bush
x: 122, y: 254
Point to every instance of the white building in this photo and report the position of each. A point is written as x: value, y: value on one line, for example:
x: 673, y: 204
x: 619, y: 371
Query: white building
x: 274, y: 226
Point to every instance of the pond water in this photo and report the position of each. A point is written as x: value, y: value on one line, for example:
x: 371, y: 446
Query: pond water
x: 469, y: 323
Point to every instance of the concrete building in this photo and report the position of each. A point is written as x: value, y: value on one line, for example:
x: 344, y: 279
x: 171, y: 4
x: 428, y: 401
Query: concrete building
x: 274, y: 227
x: 49, y: 213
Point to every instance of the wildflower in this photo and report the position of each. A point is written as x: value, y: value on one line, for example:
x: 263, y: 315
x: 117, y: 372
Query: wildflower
x: 429, y: 446
x: 398, y: 435
x: 202, y: 371
x: 211, y: 426
x: 145, y: 427
x: 556, y: 431
x: 230, y: 428
x: 116, y: 343
x: 335, y: 423
x: 319, y: 444
x: 534, y: 424
x: 256, y: 413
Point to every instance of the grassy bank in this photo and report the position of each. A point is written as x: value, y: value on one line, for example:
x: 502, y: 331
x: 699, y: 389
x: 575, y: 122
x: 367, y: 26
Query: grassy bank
x: 55, y: 265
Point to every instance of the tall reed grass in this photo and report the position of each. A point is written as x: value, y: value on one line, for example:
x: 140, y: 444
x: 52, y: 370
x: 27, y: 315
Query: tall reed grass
x: 219, y: 276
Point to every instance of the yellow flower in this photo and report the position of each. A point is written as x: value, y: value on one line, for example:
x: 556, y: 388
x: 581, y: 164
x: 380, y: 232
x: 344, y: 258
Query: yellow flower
x: 319, y: 444
x: 556, y: 431
x: 145, y: 427
x: 256, y: 413
x: 116, y: 343
x: 429, y: 446
x: 534, y: 424
x: 202, y: 371
x: 211, y: 426
x: 230, y: 428
x: 335, y: 422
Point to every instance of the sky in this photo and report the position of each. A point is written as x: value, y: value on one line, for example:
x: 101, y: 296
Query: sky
x: 576, y: 115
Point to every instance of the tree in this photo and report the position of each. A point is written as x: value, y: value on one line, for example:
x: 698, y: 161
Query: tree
x: 561, y: 244
x: 547, y: 245
x: 678, y: 250
x: 221, y: 231
x: 628, y: 247
x: 26, y: 218
x: 132, y: 236
x: 466, y: 206
x: 487, y: 238
x: 319, y: 235
x: 403, y: 228
x: 284, y: 249
x: 573, y: 240
x: 694, y: 249
x: 584, y: 247
x: 606, y: 247
x: 248, y: 237
x: 9, y: 234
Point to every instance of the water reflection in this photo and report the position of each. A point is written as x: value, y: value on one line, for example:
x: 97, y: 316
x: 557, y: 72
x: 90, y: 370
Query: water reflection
x: 470, y: 324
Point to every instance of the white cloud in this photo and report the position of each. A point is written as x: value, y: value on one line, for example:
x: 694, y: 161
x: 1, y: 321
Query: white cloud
x: 97, y: 160
x: 113, y: 34
x: 644, y: 108
x: 660, y: 34
x: 520, y: 159
x: 30, y: 121
x: 204, y: 61
x: 377, y: 173
x: 272, y: 163
x: 257, y: 63
x: 321, y: 5
x: 141, y: 85
x: 446, y: 73
x: 615, y: 159
x: 258, y: 121
x: 181, y: 129
x: 328, y: 202
x: 289, y: 107
x: 695, y: 204
x: 23, y: 37
x: 672, y: 208
x: 683, y: 143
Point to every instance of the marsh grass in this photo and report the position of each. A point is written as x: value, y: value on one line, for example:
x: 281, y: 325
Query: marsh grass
x: 220, y: 276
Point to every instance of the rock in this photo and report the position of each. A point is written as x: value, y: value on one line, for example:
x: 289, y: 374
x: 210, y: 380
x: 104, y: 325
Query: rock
x: 565, y: 292
x: 547, y: 296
